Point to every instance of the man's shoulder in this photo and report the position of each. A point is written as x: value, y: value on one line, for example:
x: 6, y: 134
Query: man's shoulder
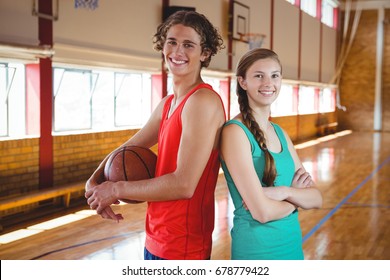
x: 206, y: 97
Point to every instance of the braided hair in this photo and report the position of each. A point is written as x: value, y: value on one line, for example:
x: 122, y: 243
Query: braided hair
x: 249, y: 121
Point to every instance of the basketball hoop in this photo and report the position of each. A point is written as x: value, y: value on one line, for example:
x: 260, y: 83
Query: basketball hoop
x: 255, y: 40
x: 86, y: 4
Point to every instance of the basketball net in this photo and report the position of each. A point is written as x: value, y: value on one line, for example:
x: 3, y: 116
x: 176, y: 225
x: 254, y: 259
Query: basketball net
x: 255, y: 40
x: 86, y: 4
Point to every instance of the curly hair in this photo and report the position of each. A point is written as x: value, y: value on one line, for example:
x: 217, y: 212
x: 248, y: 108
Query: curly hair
x: 245, y: 62
x: 211, y: 40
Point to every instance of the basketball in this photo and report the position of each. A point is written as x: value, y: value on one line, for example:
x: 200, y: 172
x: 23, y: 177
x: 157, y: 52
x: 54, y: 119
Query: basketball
x: 130, y: 163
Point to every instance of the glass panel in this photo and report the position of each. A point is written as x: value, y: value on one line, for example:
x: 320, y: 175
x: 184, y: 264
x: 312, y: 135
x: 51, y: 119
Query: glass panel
x: 3, y: 100
x: 283, y: 105
x: 100, y: 99
x: 306, y: 103
x: 17, y: 100
x: 128, y: 99
x: 309, y: 6
x: 103, y: 101
x: 326, y: 102
x: 234, y: 106
x: 12, y: 100
x: 328, y: 12
x: 73, y: 91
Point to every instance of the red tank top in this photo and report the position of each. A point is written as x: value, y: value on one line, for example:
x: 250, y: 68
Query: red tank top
x: 181, y: 229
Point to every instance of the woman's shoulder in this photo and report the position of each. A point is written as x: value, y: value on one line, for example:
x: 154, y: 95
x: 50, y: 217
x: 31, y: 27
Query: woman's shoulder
x: 235, y: 120
x: 234, y: 126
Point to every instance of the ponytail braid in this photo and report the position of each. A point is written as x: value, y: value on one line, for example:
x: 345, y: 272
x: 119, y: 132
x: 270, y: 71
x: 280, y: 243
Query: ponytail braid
x: 249, y: 121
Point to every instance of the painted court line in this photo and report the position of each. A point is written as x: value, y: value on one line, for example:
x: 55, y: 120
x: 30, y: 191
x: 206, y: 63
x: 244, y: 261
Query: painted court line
x: 367, y: 205
x: 330, y: 214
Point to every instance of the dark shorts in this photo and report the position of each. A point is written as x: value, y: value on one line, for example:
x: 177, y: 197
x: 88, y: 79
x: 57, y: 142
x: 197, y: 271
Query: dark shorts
x: 150, y: 256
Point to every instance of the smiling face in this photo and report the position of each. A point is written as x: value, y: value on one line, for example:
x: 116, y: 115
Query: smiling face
x: 182, y: 50
x: 262, y: 82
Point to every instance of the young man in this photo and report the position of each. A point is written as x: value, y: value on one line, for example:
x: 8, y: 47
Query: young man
x: 187, y: 127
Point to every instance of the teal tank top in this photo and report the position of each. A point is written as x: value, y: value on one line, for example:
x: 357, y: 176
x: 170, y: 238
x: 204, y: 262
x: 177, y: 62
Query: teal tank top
x: 275, y: 240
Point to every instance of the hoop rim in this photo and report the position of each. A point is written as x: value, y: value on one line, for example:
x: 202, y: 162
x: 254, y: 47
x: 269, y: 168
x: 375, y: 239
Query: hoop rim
x: 252, y: 36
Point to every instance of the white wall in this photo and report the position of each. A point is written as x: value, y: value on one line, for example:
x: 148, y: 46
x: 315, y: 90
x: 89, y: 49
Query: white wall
x: 329, y: 53
x: 310, y: 48
x: 17, y: 24
x: 119, y: 34
x: 286, y: 37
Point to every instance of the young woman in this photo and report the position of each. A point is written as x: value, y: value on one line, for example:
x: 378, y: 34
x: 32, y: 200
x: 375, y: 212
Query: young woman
x: 266, y: 179
x: 187, y: 127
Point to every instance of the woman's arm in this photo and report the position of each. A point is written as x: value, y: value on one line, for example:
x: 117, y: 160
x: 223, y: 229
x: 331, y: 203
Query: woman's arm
x: 306, y: 196
x: 236, y: 152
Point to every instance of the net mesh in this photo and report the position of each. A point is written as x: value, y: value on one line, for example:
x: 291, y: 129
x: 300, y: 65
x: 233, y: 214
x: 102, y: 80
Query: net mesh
x: 255, y: 40
x: 86, y: 4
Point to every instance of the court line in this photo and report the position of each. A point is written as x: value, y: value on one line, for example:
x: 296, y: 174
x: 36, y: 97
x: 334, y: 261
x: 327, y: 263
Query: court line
x: 87, y: 243
x: 331, y: 213
x: 358, y: 204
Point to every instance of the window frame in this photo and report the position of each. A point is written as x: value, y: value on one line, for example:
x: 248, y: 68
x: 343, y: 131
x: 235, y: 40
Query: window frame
x: 13, y: 99
x: 111, y: 94
x: 92, y: 86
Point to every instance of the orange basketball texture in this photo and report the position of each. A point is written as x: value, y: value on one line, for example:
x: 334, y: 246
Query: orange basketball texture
x: 130, y: 163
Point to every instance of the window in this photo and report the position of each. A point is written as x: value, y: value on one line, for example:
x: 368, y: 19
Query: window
x: 310, y: 7
x: 100, y: 100
x: 214, y: 82
x: 103, y: 101
x: 4, y: 90
x: 326, y: 100
x: 329, y: 9
x: 234, y: 106
x: 73, y: 91
x: 130, y: 90
x: 306, y: 100
x: 284, y: 104
x: 12, y: 100
x: 291, y: 2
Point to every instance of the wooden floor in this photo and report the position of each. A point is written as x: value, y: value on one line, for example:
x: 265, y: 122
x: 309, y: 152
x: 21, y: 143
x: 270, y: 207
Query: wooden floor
x: 352, y: 171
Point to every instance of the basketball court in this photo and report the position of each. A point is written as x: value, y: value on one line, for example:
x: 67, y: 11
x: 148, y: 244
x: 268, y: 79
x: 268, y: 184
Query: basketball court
x: 342, y: 138
x: 352, y: 224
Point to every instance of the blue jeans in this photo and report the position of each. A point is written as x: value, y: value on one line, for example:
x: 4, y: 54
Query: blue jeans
x: 150, y: 256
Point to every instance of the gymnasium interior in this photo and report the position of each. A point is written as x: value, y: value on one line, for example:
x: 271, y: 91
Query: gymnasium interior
x: 80, y: 77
